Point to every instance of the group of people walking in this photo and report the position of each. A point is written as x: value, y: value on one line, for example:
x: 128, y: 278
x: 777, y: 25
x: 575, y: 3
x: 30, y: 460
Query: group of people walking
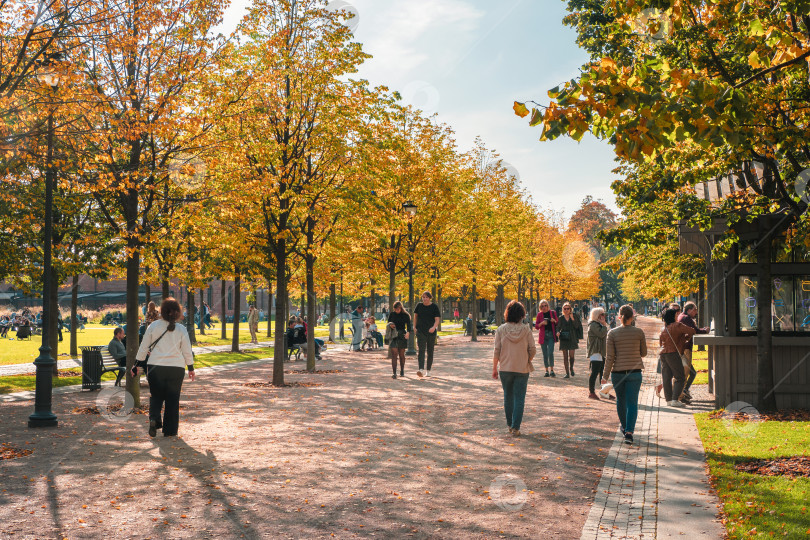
x: 426, y: 320
x: 614, y: 355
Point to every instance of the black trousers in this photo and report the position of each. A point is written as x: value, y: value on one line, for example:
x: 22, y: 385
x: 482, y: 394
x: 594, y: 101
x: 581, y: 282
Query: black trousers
x: 425, y: 342
x: 597, y: 370
x: 165, y: 383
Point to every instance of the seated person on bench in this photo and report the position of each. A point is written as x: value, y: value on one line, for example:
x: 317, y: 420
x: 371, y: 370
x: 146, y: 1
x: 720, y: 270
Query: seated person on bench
x: 117, y: 349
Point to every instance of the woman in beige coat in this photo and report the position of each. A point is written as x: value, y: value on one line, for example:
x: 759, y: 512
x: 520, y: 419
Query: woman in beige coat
x: 514, y: 350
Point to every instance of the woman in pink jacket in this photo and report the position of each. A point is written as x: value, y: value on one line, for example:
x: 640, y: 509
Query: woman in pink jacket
x: 512, y: 362
x: 547, y: 324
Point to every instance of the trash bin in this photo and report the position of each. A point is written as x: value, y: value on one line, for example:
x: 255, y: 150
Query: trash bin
x: 91, y: 367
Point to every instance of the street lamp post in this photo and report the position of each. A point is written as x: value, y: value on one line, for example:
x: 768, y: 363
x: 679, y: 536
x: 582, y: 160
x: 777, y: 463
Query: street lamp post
x: 410, y: 209
x: 43, y: 395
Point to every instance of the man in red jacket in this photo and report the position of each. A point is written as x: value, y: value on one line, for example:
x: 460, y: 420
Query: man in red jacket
x: 688, y: 318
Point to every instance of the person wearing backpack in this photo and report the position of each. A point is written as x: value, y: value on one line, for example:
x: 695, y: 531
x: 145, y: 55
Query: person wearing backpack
x: 165, y: 352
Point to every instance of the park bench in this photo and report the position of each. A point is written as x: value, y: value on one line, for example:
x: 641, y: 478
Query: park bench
x: 108, y: 365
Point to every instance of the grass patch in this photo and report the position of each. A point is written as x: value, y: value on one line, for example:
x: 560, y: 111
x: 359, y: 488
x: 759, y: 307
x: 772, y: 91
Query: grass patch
x: 703, y: 376
x: 19, y: 383
x: 217, y: 359
x: 23, y: 352
x: 757, y: 506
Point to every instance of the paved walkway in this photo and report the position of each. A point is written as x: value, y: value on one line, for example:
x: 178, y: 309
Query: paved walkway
x: 657, y: 487
x: 355, y: 453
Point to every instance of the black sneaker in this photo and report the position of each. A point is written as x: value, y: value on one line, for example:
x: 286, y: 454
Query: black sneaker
x: 572, y: 372
x: 553, y: 374
x: 394, y: 376
x: 628, y: 438
x: 566, y: 376
x: 401, y: 372
x: 546, y: 375
x: 152, y: 428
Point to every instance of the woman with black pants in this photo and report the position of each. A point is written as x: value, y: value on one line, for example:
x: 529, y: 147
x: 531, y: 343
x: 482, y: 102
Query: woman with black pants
x: 166, y: 352
x: 399, y: 323
x: 597, y: 347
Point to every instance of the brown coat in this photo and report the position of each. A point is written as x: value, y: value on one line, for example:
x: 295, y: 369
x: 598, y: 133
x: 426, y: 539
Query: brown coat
x: 680, y: 334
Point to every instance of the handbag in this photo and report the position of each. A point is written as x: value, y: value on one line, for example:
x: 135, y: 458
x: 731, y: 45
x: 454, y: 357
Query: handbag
x: 565, y: 335
x: 389, y: 333
x: 145, y: 361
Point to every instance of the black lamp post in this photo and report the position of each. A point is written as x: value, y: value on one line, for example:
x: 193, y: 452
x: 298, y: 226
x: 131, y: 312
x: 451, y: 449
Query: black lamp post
x: 410, y: 209
x: 47, y: 74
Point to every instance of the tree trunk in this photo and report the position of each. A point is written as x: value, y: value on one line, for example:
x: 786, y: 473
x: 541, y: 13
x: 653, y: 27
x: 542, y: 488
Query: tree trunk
x: 474, y: 311
x: 766, y: 399
x: 281, y: 300
x: 190, y: 316
x: 222, y: 311
x: 74, y: 308
x: 392, y: 285
x: 133, y: 273
x: 164, y: 288
x: 202, y: 311
x: 440, y: 303
x: 332, y: 314
x: 237, y: 310
x: 269, y: 308
x: 500, y: 304
x: 312, y: 299
x: 701, y: 322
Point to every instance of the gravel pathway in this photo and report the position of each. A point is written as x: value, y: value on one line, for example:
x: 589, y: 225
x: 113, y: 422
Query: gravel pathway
x: 347, y: 454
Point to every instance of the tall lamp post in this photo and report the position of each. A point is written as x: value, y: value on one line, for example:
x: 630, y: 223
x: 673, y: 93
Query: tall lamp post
x: 47, y: 74
x: 410, y: 209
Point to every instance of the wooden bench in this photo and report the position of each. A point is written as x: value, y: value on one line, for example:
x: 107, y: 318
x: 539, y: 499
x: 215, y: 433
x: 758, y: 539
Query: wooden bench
x: 108, y: 364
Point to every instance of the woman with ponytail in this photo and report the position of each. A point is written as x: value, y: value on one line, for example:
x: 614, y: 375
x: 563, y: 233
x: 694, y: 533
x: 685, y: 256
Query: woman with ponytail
x: 166, y: 353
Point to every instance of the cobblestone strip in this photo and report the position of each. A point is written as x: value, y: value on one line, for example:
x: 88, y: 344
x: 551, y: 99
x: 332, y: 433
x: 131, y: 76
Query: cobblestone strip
x: 625, y: 505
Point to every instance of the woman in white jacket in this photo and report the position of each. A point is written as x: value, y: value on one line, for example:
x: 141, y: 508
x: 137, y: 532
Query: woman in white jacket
x: 514, y: 350
x: 166, y: 353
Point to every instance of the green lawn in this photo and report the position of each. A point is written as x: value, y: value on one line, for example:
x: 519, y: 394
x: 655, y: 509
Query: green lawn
x: 758, y: 506
x: 18, y: 383
x: 22, y: 352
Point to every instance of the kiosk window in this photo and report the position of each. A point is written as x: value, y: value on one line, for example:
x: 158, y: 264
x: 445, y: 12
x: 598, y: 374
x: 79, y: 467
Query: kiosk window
x: 790, y: 307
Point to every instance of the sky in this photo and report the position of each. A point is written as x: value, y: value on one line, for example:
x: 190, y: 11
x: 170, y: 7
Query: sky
x: 468, y: 61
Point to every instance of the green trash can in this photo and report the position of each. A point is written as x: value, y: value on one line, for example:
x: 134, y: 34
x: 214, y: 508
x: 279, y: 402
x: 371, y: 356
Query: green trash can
x: 91, y: 367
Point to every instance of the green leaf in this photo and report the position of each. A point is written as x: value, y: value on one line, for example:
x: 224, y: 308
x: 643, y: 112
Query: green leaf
x: 537, y: 118
x: 756, y: 28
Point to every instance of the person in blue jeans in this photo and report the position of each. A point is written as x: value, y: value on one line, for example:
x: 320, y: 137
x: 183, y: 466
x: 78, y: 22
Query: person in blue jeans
x: 546, y: 323
x: 512, y: 361
x: 626, y: 349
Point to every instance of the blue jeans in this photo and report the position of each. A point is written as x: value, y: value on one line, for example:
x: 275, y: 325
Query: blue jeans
x: 627, y: 386
x: 514, y: 396
x: 548, y: 353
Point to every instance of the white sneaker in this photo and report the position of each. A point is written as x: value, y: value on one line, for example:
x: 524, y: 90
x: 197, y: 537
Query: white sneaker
x: 676, y: 404
x: 419, y: 373
x: 427, y: 374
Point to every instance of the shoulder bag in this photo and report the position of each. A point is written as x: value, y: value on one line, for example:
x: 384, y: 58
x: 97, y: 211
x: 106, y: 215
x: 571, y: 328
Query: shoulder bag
x: 143, y: 363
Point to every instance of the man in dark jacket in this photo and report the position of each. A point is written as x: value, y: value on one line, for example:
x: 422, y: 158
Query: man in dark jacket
x: 116, y: 347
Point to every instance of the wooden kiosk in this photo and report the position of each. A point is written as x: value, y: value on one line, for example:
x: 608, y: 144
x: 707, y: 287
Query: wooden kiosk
x: 731, y: 305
